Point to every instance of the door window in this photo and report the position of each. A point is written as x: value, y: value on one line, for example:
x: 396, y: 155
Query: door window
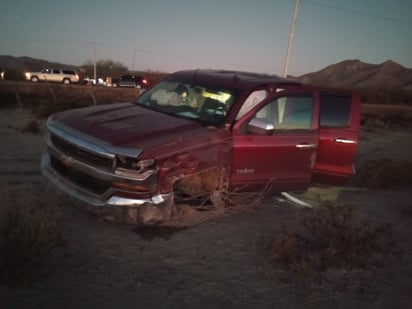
x: 252, y: 100
x: 288, y: 113
x: 335, y: 111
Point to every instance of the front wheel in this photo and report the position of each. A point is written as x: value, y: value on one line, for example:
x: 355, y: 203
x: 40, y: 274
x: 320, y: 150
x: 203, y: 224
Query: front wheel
x: 34, y: 79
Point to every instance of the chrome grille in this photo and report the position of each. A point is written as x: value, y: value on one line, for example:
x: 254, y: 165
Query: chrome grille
x: 80, y: 154
x: 93, y: 184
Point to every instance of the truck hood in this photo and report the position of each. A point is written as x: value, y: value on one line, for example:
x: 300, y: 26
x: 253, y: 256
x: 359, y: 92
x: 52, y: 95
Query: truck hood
x: 123, y: 128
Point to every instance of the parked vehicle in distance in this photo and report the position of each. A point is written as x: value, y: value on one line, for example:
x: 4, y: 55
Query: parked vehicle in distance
x: 92, y: 82
x: 65, y: 76
x: 132, y: 81
x: 198, y: 132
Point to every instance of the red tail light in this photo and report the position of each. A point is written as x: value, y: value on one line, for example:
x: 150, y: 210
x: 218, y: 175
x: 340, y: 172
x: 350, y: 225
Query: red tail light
x: 144, y: 81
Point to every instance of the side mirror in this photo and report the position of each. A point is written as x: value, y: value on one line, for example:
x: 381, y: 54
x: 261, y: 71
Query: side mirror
x: 259, y: 126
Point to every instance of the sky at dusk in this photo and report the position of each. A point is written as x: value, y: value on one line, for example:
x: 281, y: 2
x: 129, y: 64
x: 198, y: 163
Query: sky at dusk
x: 167, y: 35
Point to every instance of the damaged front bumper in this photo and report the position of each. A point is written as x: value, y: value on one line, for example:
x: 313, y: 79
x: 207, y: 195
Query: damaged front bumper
x: 92, y: 173
x: 107, y: 198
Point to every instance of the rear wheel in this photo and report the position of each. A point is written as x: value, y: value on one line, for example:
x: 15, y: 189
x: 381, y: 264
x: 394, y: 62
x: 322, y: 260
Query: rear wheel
x: 66, y: 81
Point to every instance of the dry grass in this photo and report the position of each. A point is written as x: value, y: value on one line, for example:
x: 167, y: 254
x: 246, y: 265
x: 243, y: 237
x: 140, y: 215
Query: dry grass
x: 29, y: 231
x: 377, y: 116
x: 80, y: 96
x: 386, y: 174
x: 45, y: 99
x: 325, y: 238
x: 33, y: 127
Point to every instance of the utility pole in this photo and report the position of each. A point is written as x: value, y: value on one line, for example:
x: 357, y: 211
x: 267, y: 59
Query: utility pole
x: 291, y: 35
x: 94, y: 61
x: 134, y: 59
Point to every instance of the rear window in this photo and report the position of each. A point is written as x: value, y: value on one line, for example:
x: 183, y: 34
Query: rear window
x: 69, y: 72
x: 335, y: 110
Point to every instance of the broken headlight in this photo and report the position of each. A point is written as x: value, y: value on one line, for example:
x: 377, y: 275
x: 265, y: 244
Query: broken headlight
x: 135, y: 169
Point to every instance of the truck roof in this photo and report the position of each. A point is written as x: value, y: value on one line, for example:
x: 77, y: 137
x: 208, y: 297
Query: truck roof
x: 235, y: 79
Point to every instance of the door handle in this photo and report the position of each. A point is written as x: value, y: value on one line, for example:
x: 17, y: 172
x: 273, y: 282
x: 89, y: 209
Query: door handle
x: 344, y: 141
x: 305, y: 145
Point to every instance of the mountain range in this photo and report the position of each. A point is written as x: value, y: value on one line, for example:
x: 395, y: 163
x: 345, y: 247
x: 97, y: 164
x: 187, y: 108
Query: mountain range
x: 352, y: 74
x: 355, y: 74
x: 28, y: 64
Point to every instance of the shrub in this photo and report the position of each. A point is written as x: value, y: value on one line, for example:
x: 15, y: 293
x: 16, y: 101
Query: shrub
x: 28, y: 232
x: 386, y: 174
x: 376, y: 116
x: 77, y: 97
x: 325, y: 238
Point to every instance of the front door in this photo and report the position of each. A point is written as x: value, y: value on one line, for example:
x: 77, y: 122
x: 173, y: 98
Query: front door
x: 339, y: 117
x: 274, y: 145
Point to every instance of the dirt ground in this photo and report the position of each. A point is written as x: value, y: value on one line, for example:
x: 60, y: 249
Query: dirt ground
x: 216, y: 264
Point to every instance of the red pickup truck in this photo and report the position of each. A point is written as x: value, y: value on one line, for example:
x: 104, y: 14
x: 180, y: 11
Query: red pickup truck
x: 201, y: 131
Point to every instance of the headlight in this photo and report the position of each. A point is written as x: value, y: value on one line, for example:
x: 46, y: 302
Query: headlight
x: 135, y: 169
x: 143, y: 165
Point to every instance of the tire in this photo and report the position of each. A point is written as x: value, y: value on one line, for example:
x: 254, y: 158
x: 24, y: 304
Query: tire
x: 34, y: 79
x: 66, y: 81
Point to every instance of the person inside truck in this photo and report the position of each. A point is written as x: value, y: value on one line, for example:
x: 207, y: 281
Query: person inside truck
x: 180, y: 96
x: 165, y: 97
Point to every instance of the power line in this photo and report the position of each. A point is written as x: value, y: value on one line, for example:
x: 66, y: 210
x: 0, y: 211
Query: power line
x: 135, y: 50
x: 328, y: 6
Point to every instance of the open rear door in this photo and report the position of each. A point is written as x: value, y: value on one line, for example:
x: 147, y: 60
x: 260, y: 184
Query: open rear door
x: 339, y: 118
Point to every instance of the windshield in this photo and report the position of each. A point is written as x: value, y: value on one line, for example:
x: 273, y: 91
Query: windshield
x: 205, y: 104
